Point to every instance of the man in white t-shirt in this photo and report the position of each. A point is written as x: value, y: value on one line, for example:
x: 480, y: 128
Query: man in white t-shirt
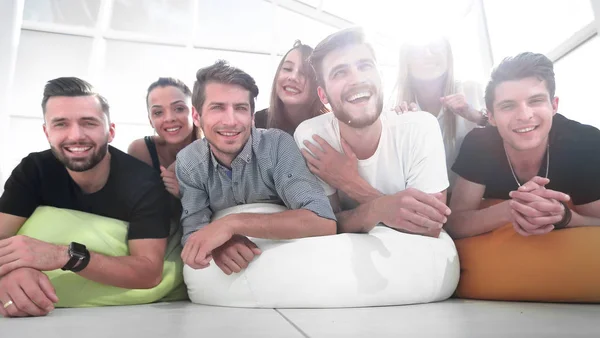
x: 375, y: 168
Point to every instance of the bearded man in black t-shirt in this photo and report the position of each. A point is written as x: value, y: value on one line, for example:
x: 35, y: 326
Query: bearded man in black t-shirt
x: 80, y: 172
x: 543, y: 165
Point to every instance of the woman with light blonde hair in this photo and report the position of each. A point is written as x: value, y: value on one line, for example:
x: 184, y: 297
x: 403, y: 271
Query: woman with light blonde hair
x: 426, y: 82
x: 294, y: 95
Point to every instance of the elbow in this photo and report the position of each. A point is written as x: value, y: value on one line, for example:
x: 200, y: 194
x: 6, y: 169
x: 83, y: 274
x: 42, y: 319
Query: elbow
x: 453, y: 232
x: 151, y: 282
x: 329, y: 227
x: 325, y: 227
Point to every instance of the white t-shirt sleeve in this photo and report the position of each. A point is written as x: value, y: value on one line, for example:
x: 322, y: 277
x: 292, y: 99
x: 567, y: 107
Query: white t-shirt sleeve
x: 427, y: 170
x: 304, y: 132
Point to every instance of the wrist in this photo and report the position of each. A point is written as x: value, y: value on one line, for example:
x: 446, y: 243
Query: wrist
x: 567, y: 218
x: 62, y: 255
x: 232, y: 224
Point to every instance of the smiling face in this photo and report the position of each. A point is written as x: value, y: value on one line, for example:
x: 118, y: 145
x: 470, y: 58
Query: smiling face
x: 292, y: 86
x: 522, y: 112
x: 226, y: 119
x: 429, y: 61
x: 352, y: 85
x: 78, y: 131
x: 170, y: 114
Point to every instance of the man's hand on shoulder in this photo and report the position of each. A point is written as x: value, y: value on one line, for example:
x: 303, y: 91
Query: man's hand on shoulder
x: 22, y: 251
x: 26, y: 292
x: 535, y: 209
x: 235, y: 255
x: 334, y: 168
x: 413, y: 211
x: 197, y: 251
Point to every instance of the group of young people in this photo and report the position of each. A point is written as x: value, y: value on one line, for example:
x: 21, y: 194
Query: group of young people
x: 325, y: 148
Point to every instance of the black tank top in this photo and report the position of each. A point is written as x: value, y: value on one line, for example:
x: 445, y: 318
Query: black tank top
x: 153, y: 153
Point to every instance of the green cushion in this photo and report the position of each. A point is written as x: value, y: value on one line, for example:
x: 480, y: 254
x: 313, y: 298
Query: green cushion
x: 108, y: 237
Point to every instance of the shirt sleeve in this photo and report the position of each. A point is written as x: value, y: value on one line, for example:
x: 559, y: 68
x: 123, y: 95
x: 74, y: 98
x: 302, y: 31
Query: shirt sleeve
x: 295, y: 184
x: 427, y: 171
x: 196, y: 212
x: 469, y: 164
x: 305, y: 133
x: 150, y: 217
x: 584, y: 166
x: 21, y: 194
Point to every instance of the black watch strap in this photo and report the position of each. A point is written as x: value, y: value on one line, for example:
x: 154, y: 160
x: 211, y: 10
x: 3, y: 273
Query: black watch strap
x: 70, y: 264
x: 566, y: 218
x: 83, y: 263
x: 80, y: 257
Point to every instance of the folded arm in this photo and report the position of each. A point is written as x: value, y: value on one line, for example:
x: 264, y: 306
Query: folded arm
x: 467, y: 219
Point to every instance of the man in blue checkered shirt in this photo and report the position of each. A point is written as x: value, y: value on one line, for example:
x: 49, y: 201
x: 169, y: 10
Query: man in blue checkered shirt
x: 238, y: 164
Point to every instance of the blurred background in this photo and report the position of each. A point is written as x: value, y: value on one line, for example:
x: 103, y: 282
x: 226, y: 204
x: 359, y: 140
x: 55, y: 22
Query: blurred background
x: 121, y: 46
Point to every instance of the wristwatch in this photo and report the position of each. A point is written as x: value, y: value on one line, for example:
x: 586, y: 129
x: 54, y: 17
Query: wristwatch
x: 80, y: 257
x: 566, y: 218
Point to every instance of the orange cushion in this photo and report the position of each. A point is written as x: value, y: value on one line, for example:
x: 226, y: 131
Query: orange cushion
x: 561, y: 266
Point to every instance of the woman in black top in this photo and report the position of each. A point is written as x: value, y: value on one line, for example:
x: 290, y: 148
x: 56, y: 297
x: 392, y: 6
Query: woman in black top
x: 294, y: 93
x: 169, y: 103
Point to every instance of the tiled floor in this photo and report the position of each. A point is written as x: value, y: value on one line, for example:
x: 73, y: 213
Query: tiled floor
x: 453, y: 318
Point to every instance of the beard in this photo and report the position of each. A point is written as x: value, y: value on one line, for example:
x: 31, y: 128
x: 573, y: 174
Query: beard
x: 365, y: 118
x: 80, y: 164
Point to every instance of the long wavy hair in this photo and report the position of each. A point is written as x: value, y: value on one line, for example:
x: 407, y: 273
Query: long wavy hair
x: 276, y: 113
x: 405, y: 88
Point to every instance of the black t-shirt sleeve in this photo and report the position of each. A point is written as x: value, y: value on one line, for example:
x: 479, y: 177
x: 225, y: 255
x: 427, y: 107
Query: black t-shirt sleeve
x: 22, y: 190
x: 584, y: 163
x: 470, y: 162
x: 150, y: 215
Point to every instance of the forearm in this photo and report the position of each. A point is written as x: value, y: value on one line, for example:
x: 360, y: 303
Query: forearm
x: 288, y: 224
x: 360, y: 191
x: 462, y: 224
x: 579, y: 220
x: 128, y: 272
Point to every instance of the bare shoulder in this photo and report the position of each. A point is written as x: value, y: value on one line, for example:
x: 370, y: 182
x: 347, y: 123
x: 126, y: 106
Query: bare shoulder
x: 139, y: 150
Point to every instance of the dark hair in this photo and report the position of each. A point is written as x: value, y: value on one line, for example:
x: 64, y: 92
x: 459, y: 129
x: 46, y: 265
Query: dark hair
x: 343, y: 38
x: 168, y: 82
x: 72, y: 86
x: 519, y: 67
x: 276, y: 111
x: 222, y: 72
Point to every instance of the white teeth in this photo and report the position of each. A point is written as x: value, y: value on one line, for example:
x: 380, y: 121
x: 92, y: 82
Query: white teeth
x: 78, y: 149
x: 359, y: 96
x: 228, y: 134
x: 173, y: 129
x: 524, y: 130
x: 291, y: 90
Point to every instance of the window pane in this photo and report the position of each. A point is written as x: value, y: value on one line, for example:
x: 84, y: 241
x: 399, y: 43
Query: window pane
x: 164, y: 19
x: 235, y: 24
x: 129, y: 69
x: 576, y: 74
x: 539, y: 26
x: 36, y: 64
x: 64, y: 12
x: 291, y: 26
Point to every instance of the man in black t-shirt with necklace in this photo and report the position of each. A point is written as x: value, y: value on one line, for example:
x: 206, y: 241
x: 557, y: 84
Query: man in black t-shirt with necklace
x: 80, y: 172
x: 542, y: 164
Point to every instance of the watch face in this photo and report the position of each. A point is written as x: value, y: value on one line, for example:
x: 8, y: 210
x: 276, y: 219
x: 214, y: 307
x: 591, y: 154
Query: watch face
x: 77, y: 250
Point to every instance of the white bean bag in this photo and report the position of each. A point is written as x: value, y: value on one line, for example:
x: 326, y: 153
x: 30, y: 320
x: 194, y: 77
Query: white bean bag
x: 383, y: 267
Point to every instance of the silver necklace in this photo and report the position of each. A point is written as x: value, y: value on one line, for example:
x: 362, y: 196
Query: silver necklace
x: 513, y: 171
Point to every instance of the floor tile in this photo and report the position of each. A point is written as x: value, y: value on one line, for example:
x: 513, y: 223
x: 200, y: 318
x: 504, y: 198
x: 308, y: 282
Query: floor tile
x: 453, y: 318
x: 164, y: 320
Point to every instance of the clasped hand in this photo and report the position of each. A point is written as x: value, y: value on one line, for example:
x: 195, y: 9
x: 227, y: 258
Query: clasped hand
x: 535, y: 209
